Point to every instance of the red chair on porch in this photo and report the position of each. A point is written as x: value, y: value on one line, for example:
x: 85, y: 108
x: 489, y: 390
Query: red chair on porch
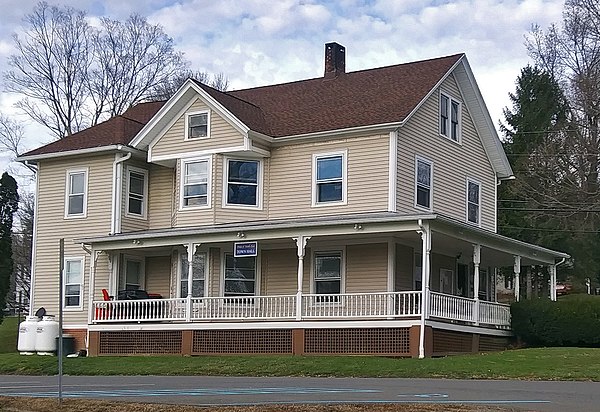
x: 102, y: 313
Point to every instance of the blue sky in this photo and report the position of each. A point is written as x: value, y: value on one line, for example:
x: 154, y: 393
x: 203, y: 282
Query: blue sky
x: 260, y: 42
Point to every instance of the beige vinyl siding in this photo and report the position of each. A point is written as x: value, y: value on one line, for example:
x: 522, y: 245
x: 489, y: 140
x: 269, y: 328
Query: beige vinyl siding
x: 161, y: 197
x: 280, y: 272
x: 453, y: 163
x: 290, y: 194
x: 131, y: 223
x: 215, y: 271
x: 158, y: 274
x: 404, y: 268
x: 366, y: 268
x: 51, y: 226
x: 261, y: 145
x: 173, y: 143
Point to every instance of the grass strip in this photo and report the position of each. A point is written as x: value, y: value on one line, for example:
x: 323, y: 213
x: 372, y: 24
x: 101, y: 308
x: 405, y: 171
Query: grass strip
x: 582, y: 364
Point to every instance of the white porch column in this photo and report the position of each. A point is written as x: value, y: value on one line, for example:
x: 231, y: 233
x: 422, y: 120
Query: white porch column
x: 425, y: 269
x: 476, y: 262
x: 301, y: 249
x: 517, y: 271
x: 552, y: 270
x: 191, y: 250
x: 92, y: 286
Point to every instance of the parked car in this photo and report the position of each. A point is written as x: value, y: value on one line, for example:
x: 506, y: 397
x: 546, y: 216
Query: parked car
x: 563, y: 288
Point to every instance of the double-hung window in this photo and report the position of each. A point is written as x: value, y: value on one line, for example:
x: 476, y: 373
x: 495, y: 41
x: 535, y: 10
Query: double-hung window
x: 328, y: 273
x: 76, y: 196
x: 73, y: 282
x: 198, y: 275
x: 243, y: 182
x: 449, y: 117
x: 240, y: 275
x: 195, y: 183
x: 329, y: 184
x: 423, y: 180
x: 137, y: 191
x: 133, y: 278
x: 197, y: 125
x: 473, y: 202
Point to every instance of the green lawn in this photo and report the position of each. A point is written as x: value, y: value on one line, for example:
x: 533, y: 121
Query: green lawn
x: 545, y: 364
x: 8, y: 334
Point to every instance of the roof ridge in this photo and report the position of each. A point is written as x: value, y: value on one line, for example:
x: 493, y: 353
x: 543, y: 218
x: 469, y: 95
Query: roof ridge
x: 227, y: 93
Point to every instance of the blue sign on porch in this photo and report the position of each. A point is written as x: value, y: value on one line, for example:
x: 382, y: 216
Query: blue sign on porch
x: 241, y: 249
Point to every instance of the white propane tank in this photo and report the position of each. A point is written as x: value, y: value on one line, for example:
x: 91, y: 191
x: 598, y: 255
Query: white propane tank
x: 47, y: 332
x: 27, y: 335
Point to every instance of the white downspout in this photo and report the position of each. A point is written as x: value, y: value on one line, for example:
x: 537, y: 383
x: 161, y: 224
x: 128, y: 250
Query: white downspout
x: 553, y: 279
x: 115, y: 218
x: 34, y: 240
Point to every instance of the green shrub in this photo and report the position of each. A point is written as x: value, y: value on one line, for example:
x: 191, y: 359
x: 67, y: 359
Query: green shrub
x: 572, y: 322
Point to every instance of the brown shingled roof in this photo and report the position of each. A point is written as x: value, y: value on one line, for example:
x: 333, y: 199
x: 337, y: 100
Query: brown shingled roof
x: 361, y: 98
x: 116, y: 130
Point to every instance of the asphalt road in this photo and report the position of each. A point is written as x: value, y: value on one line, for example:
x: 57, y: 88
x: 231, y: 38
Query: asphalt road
x: 211, y: 391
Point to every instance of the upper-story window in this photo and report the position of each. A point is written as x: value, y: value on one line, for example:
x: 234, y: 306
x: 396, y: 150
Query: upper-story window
x: 473, y: 202
x: 137, y: 191
x: 197, y: 125
x: 243, y: 178
x: 329, y: 178
x: 195, y: 183
x: 76, y: 193
x: 449, y: 117
x: 423, y: 183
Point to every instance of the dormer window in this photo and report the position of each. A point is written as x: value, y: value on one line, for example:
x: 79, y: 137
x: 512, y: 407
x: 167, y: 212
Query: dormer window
x: 197, y: 125
x: 449, y: 117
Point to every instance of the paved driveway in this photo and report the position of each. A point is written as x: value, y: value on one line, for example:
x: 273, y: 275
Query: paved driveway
x: 211, y: 391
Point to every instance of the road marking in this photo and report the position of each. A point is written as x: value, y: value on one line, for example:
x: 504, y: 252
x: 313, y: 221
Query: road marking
x: 192, y: 392
x: 424, y: 395
x: 73, y: 386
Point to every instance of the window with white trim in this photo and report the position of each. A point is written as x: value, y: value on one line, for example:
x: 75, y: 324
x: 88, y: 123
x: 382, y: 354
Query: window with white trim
x: 328, y: 273
x: 450, y: 112
x: 198, y: 275
x: 73, y: 282
x: 133, y: 278
x: 329, y: 178
x: 76, y: 196
x: 423, y: 174
x: 240, y: 275
x: 197, y: 125
x: 195, y: 178
x: 473, y: 202
x: 243, y: 182
x: 137, y: 191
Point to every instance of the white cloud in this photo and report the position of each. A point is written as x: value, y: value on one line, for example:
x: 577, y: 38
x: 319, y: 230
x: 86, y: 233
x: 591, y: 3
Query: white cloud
x: 259, y: 42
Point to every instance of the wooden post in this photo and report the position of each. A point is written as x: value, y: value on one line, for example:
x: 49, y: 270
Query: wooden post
x: 301, y: 250
x: 476, y: 262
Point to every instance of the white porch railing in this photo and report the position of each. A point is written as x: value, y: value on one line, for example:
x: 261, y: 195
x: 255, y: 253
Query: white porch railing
x: 385, y: 305
x: 451, y: 307
x: 362, y: 305
x: 463, y: 309
x: 494, y: 313
x: 244, y: 307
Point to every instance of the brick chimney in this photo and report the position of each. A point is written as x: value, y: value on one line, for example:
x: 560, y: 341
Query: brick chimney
x: 335, y: 60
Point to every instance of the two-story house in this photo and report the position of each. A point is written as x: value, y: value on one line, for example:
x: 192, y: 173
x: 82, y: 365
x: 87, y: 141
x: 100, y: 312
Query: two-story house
x: 353, y: 213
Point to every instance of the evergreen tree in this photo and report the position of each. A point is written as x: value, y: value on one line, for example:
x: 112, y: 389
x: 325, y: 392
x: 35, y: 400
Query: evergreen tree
x: 9, y: 201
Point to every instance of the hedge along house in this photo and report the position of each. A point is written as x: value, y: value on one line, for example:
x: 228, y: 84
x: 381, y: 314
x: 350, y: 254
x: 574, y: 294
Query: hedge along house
x: 349, y: 214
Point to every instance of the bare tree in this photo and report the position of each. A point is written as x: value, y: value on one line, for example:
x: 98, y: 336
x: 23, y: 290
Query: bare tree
x: 50, y: 67
x: 22, y: 243
x: 167, y: 89
x: 73, y: 75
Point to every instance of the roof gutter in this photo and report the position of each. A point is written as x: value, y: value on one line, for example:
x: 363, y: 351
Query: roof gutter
x: 91, y: 150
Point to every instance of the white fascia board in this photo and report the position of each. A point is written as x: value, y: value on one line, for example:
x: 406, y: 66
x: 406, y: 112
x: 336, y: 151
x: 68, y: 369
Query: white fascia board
x: 91, y: 150
x: 486, y: 129
x: 148, y: 132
